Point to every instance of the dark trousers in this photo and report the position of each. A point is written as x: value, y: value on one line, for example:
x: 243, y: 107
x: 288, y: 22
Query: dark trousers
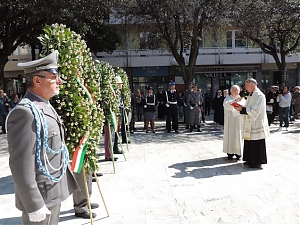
x: 271, y: 117
x: 79, y: 197
x: 132, y: 121
x: 284, y: 116
x: 172, y: 115
x: 161, y: 111
x: 207, y: 108
x: 2, y: 122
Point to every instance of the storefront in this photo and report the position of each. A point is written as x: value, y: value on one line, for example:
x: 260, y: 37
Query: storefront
x: 143, y: 77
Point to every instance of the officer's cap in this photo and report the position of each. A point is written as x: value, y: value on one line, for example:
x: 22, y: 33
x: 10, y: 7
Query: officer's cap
x: 49, y: 62
x: 160, y: 87
x: 150, y: 88
x: 171, y: 83
x: 119, y: 80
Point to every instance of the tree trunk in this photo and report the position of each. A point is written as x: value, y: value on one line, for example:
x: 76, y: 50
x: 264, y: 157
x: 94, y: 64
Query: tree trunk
x: 283, y: 70
x: 3, y: 61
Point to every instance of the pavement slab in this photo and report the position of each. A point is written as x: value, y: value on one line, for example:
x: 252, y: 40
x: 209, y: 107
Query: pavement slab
x: 184, y: 178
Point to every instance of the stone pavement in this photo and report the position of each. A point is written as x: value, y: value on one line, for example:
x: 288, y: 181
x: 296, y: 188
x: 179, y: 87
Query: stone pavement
x: 184, y: 179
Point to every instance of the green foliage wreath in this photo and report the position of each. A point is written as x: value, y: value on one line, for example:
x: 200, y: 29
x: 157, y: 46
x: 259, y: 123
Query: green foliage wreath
x: 79, y: 111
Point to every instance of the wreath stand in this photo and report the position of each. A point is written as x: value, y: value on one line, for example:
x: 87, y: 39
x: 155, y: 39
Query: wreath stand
x: 88, y: 195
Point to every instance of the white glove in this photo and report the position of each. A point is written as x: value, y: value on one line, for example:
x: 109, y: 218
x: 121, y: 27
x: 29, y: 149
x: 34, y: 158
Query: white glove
x: 167, y: 105
x: 272, y: 100
x: 145, y: 106
x: 185, y: 105
x: 191, y: 107
x: 39, y: 215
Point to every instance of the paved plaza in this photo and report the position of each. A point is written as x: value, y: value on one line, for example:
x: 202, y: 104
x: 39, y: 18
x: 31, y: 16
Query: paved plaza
x: 184, y: 179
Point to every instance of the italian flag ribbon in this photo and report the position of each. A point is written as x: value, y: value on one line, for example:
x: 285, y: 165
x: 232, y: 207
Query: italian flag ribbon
x: 114, y: 120
x: 79, y: 153
x: 89, y: 95
x: 112, y: 90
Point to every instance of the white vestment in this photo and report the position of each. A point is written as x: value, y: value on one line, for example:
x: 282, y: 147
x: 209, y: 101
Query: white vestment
x: 232, y: 139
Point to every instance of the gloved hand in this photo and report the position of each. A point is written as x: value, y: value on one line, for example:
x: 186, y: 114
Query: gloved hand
x: 145, y: 106
x: 191, y: 107
x: 39, y: 215
x: 185, y: 105
x: 167, y: 105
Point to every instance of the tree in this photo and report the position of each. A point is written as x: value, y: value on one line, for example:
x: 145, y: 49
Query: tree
x: 273, y: 24
x: 179, y: 23
x: 22, y: 21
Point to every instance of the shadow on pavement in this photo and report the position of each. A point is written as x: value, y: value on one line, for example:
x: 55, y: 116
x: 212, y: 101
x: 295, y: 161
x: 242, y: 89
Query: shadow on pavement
x: 6, y: 185
x: 11, y: 221
x: 207, y: 168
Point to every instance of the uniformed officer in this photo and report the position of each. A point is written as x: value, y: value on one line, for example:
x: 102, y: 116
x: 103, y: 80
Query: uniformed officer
x: 171, y: 99
x: 38, y: 156
x: 193, y: 105
x: 186, y: 108
x: 161, y: 109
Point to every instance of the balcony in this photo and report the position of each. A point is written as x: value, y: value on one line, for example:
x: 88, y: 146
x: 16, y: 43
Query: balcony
x: 207, y: 56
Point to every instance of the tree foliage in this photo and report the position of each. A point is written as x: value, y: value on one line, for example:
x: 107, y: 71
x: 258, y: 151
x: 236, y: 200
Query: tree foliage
x: 273, y: 24
x: 22, y: 21
x: 179, y: 23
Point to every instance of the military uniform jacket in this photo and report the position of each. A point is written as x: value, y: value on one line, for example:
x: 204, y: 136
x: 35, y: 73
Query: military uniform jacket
x: 33, y: 189
x: 171, y: 98
x: 193, y: 99
x: 151, y: 102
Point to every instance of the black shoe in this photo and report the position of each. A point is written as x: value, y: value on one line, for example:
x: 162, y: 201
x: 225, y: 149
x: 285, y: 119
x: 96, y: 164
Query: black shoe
x: 254, y: 166
x: 98, y: 174
x: 246, y: 163
x: 187, y: 127
x: 153, y: 131
x: 94, y: 205
x: 176, y: 131
x: 124, y: 142
x: 230, y: 156
x: 237, y: 156
x: 110, y: 159
x: 118, y: 152
x: 199, y: 130
x: 85, y: 215
x: 168, y: 131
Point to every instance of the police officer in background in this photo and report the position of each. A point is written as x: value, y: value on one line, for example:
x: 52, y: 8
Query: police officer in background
x: 272, y: 105
x: 161, y: 109
x: 186, y: 108
x: 171, y: 99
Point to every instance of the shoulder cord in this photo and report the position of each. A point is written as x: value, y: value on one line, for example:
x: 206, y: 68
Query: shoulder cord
x: 167, y: 96
x: 39, y: 113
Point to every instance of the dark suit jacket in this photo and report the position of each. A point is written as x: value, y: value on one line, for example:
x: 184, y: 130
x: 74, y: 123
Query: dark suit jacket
x: 33, y: 189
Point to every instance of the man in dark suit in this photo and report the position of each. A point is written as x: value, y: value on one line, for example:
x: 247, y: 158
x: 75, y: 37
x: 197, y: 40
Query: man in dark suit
x: 38, y: 155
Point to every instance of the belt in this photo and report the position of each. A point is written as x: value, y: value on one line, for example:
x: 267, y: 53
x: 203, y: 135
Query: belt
x: 172, y: 103
x: 150, y: 103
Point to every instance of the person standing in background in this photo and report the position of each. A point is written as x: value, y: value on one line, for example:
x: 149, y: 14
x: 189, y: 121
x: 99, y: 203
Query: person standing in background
x: 149, y: 109
x: 284, y: 100
x: 161, y: 109
x: 14, y: 101
x: 4, y: 109
x: 171, y: 99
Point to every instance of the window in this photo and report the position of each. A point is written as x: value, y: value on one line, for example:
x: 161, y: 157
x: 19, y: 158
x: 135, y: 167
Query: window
x: 235, y: 39
x: 150, y: 40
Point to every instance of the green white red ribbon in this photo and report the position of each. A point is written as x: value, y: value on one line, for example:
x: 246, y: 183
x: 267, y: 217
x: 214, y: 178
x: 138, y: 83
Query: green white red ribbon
x: 78, y: 157
x: 89, y: 95
x: 114, y: 120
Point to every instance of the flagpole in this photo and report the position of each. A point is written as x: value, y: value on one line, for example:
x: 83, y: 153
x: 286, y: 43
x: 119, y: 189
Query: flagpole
x: 126, y: 120
x: 95, y: 175
x: 87, y: 196
x: 111, y: 147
